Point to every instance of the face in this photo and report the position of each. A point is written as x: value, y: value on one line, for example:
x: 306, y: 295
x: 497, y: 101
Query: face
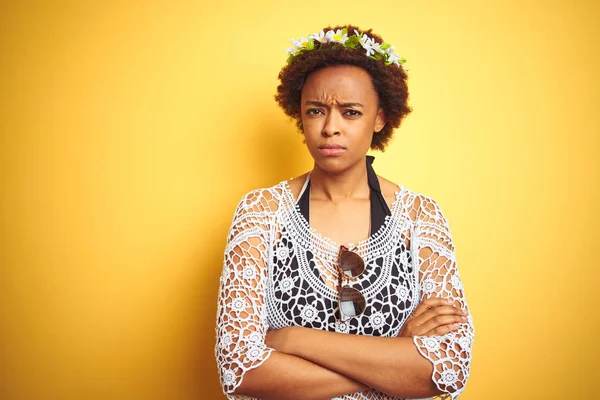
x: 340, y: 113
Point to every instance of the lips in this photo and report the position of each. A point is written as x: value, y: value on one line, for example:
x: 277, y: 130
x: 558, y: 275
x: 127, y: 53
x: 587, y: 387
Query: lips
x: 332, y: 149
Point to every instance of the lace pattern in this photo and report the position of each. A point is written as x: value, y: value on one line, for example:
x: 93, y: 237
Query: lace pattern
x: 439, y: 276
x: 278, y: 272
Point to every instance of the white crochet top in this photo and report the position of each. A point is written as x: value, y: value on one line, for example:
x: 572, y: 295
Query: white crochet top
x: 278, y: 272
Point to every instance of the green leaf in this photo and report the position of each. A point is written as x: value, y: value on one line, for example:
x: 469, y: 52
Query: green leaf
x: 344, y: 31
x: 310, y: 45
x: 352, y: 42
x: 385, y: 46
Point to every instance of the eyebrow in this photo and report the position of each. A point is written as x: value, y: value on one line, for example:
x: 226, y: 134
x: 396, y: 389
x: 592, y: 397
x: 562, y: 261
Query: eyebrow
x: 320, y: 104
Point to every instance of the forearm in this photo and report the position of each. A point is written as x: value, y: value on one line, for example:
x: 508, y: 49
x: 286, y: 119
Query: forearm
x: 284, y: 376
x: 390, y: 365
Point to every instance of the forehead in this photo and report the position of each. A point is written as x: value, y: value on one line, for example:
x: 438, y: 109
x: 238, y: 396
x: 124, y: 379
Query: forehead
x: 342, y: 83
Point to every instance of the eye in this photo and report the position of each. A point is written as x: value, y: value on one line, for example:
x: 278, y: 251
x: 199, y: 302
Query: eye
x: 314, y: 111
x: 353, y: 113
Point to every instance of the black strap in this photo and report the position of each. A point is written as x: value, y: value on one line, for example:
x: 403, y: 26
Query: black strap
x: 379, y: 207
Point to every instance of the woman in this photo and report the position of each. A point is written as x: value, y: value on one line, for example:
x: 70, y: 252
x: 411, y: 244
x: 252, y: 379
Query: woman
x: 340, y: 283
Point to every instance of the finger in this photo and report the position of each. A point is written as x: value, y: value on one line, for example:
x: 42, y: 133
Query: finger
x: 439, y: 321
x: 438, y: 311
x: 442, y: 330
x: 429, y: 303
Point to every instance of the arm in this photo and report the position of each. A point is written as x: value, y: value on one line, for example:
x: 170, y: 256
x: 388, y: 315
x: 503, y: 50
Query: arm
x: 285, y: 376
x: 450, y: 354
x: 246, y: 365
x: 403, y: 367
x: 391, y: 365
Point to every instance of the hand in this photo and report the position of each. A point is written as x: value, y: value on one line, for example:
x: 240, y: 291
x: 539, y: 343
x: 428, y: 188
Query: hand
x: 433, y: 316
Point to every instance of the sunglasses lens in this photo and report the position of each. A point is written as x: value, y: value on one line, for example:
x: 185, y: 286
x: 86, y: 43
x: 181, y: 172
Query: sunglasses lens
x: 351, y: 264
x: 352, y: 302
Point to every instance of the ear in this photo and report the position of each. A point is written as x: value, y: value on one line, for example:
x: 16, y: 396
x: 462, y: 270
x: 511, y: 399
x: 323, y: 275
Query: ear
x: 380, y: 120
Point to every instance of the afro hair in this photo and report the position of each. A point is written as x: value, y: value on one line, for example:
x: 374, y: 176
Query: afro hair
x: 389, y: 82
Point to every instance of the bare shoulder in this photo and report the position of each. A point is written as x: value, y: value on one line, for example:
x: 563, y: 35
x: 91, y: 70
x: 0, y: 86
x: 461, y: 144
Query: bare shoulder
x: 295, y: 184
x: 388, y: 189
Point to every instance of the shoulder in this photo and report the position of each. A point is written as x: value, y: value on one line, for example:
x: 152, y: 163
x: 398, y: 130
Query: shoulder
x: 419, y: 206
x: 426, y: 212
x: 262, y: 200
x: 295, y: 184
x: 389, y: 189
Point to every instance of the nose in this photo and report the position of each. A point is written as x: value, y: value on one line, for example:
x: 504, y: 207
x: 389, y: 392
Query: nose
x: 332, y: 125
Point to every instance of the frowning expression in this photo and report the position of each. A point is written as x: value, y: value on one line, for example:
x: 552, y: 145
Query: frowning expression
x: 340, y: 113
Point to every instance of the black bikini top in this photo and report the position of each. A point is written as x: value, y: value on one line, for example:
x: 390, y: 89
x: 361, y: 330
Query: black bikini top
x: 379, y: 208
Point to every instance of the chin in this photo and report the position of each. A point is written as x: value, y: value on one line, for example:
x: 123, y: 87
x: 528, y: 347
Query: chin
x: 334, y: 165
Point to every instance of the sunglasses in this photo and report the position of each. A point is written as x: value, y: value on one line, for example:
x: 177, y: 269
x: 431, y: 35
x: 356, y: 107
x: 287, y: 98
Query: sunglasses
x: 350, y: 266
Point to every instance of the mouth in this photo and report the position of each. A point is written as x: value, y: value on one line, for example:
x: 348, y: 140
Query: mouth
x: 332, y: 149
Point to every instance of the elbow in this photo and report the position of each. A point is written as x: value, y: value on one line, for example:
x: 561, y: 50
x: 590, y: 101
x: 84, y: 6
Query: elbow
x: 450, y: 381
x: 249, y: 384
x: 422, y: 387
x: 244, y: 375
x: 429, y: 380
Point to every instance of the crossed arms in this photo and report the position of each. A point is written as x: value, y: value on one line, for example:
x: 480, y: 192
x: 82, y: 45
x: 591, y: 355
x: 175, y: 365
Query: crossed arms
x: 431, y: 355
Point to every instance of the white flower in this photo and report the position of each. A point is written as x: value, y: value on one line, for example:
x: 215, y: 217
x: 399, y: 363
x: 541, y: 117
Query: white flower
x: 403, y: 293
x: 449, y: 377
x: 431, y: 344
x: 228, y: 377
x: 286, y: 284
x: 309, y: 313
x: 238, y: 304
x: 456, y: 283
x: 342, y: 327
x: 254, y: 353
x: 319, y: 37
x: 283, y: 252
x: 255, y: 337
x: 298, y: 45
x: 226, y: 340
x: 368, y: 46
x: 465, y: 342
x: 377, y: 320
x: 377, y: 47
x: 429, y: 285
x: 394, y: 58
x: 337, y: 36
x: 249, y: 272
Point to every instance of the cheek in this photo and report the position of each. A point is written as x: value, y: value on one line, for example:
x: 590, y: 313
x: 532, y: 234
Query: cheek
x: 311, y: 126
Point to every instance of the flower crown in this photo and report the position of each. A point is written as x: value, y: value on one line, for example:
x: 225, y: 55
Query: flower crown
x: 373, y: 50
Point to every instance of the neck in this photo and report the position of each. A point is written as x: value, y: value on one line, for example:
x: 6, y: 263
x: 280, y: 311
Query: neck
x: 351, y: 183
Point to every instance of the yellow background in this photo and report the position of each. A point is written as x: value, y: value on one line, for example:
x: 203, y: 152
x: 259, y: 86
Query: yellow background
x: 129, y: 132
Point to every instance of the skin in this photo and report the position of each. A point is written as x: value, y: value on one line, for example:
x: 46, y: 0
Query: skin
x: 340, y: 106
